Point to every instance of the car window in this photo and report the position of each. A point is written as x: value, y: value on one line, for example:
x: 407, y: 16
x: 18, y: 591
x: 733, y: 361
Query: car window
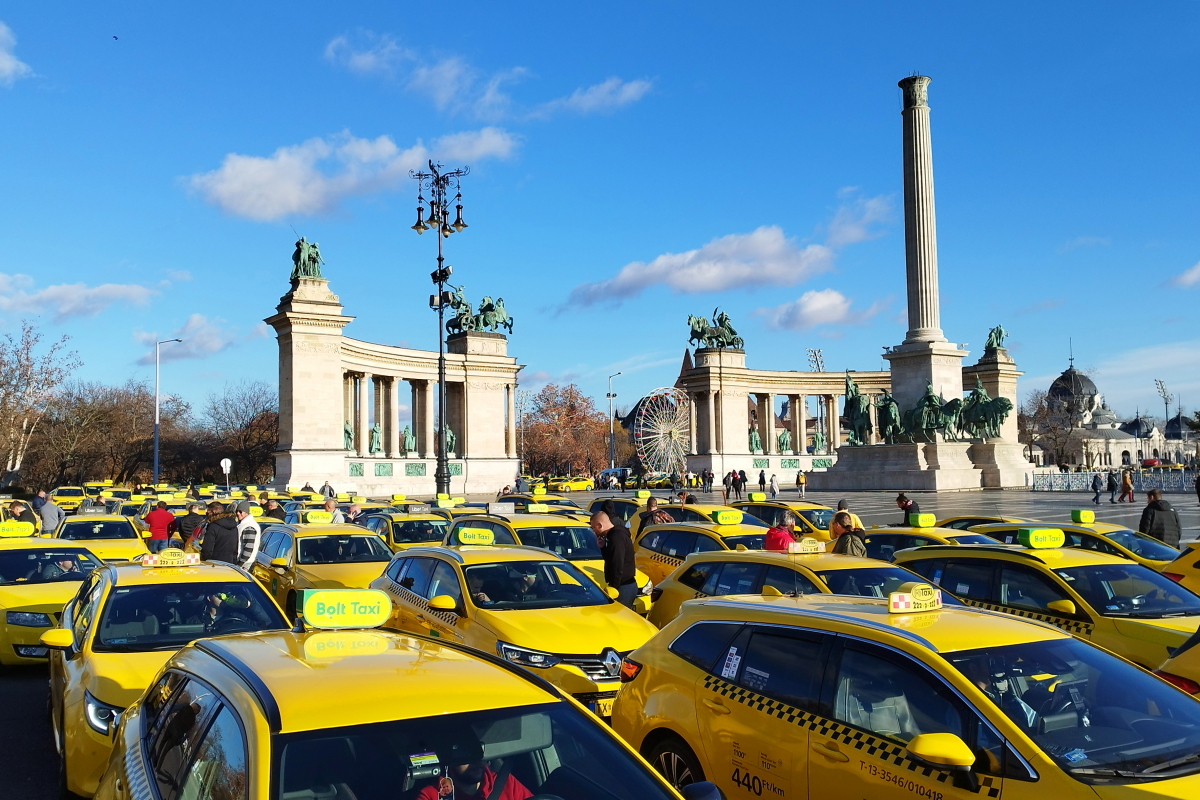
x: 27, y: 566
x: 85, y: 611
x: 694, y: 576
x: 734, y: 577
x: 376, y: 524
x: 788, y: 581
x: 156, y: 700
x: 572, y: 542
x: 83, y: 531
x: 768, y: 514
x: 678, y: 544
x: 1022, y: 587
x: 160, y: 616
x: 706, y: 544
x: 396, y: 568
x: 971, y: 538
x: 531, y: 585
x: 416, y: 531
x: 1130, y: 590
x: 270, y: 541
x: 869, y: 581
x: 1094, y: 543
x: 283, y: 548
x: 704, y: 642
x: 784, y: 666
x: 219, y: 769
x: 416, y: 577
x: 882, y: 545
x: 968, y: 579
x: 178, y: 735
x: 817, y: 517
x: 444, y: 582
x: 342, y: 549
x: 653, y: 540
x: 1143, y: 545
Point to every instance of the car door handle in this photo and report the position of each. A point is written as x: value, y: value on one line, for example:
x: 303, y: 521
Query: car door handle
x: 830, y: 751
x: 717, y: 707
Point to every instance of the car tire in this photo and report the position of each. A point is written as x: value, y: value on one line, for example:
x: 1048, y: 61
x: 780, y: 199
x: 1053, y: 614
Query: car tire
x: 675, y: 761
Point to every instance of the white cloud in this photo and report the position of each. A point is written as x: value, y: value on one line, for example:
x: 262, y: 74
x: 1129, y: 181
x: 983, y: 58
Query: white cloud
x: 314, y: 176
x: 179, y: 275
x: 66, y: 300
x: 12, y: 69
x: 856, y: 220
x: 367, y: 54
x: 612, y: 94
x: 447, y: 82
x: 202, y: 337
x: 1188, y: 278
x: 813, y: 308
x: 1083, y: 241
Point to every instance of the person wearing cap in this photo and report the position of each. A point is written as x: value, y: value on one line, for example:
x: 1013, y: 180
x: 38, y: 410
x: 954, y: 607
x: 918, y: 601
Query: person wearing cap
x: 847, y: 540
x: 160, y: 522
x: 908, y: 507
x: 855, y: 522
x: 466, y: 776
x: 220, y: 535
x: 781, y: 536
x: 272, y: 510
x: 334, y: 511
x: 249, y: 534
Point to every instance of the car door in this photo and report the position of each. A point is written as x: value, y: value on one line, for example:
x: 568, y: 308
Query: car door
x: 261, y: 568
x: 409, y: 596
x: 79, y: 616
x: 389, y: 582
x: 877, y: 699
x: 443, y: 582
x: 1027, y: 592
x: 755, y: 708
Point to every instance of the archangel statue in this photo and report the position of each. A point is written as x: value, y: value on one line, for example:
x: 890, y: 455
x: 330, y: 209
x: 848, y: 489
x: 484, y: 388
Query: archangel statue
x: 306, y: 260
x: 996, y: 337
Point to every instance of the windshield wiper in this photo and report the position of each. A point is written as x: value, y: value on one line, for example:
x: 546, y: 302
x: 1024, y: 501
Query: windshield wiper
x: 1175, y: 762
x: 1103, y: 773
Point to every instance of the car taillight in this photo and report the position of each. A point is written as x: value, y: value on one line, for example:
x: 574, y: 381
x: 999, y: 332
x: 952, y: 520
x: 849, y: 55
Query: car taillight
x: 1187, y: 684
x: 655, y: 594
x: 1173, y: 576
x: 629, y: 670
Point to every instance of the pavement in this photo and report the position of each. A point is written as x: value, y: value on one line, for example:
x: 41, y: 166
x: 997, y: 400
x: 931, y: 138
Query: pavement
x: 28, y: 764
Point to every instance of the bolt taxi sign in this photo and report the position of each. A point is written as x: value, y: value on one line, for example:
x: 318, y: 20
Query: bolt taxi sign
x: 1083, y: 517
x: 913, y: 598
x: 332, y: 609
x: 317, y: 517
x: 535, y: 508
x: 170, y: 557
x: 1041, y: 538
x: 480, y: 536
x: 727, y: 517
x: 16, y: 528
x: 921, y: 520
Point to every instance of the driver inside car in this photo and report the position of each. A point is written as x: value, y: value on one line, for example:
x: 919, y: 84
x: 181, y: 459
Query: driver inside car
x: 222, y: 607
x: 991, y: 676
x: 517, y: 586
x: 60, y: 566
x: 466, y: 776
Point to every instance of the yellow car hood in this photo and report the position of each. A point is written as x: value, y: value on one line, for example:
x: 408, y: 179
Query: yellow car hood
x: 340, y: 576
x: 115, y: 549
x: 595, y: 571
x: 579, y: 630
x: 120, y: 678
x: 1169, y: 632
x: 1169, y: 789
x: 43, y: 597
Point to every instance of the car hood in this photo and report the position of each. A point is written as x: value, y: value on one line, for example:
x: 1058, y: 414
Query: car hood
x: 340, y: 576
x: 1169, y: 632
x: 582, y: 630
x: 44, y: 597
x: 120, y: 678
x: 594, y: 569
x: 114, y: 549
x: 1186, y: 786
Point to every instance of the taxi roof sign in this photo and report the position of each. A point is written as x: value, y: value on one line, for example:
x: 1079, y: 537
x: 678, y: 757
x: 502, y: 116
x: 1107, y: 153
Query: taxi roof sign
x: 256, y: 511
x: 727, y: 517
x: 477, y: 536
x: 536, y: 508
x: 642, y: 494
x: 806, y: 545
x: 16, y: 528
x: 914, y: 597
x: 170, y: 557
x: 442, y: 496
x: 1041, y: 538
x: 756, y: 497
x: 334, y: 609
x: 1083, y: 516
x: 501, y: 508
x: 317, y: 517
x: 396, y: 498
x: 922, y: 520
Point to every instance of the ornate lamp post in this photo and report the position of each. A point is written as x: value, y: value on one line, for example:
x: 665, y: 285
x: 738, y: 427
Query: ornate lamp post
x: 156, y: 346
x: 439, y: 184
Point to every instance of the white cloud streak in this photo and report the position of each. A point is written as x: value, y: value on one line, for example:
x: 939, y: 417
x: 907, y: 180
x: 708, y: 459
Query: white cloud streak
x: 818, y: 307
x: 315, y: 176
x: 1188, y: 278
x: 378, y: 54
x: 603, y: 97
x: 1084, y: 241
x: 858, y: 220
x: 12, y: 69
x: 66, y: 300
x: 202, y: 337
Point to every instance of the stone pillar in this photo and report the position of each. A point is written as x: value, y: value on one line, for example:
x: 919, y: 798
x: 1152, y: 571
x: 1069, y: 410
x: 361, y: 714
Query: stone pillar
x: 417, y: 414
x: 693, y: 422
x: 873, y: 415
x: 511, y: 444
x: 762, y: 404
x: 362, y: 432
x: 710, y: 406
x: 348, y: 397
x: 392, y: 426
x: 831, y: 417
x: 428, y: 443
x: 920, y: 228
x: 800, y: 425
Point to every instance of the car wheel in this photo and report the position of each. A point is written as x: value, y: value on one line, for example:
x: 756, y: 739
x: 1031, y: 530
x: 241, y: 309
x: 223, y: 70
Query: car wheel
x: 676, y: 762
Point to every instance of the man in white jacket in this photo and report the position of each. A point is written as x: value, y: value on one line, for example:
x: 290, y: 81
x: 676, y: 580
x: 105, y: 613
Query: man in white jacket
x: 249, y: 533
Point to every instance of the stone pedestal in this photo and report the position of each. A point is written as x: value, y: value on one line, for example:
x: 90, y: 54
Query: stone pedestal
x: 477, y: 343
x: 1003, y: 464
x: 720, y: 357
x: 916, y: 364
x: 937, y: 467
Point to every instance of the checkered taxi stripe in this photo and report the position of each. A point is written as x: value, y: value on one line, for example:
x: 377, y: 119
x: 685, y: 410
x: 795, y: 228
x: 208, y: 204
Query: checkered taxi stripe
x: 1072, y: 626
x: 137, y: 775
x: 866, y: 743
x: 659, y: 557
x: 448, y: 617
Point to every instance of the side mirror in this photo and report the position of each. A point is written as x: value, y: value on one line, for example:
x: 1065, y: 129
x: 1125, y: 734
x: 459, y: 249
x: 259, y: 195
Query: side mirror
x: 146, y: 533
x: 1061, y: 606
x: 279, y: 562
x: 704, y: 790
x: 612, y: 592
x: 443, y: 602
x: 58, y: 639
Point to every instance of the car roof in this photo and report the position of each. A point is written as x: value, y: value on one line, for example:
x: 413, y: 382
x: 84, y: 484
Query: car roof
x: 39, y: 543
x: 467, y: 554
x: 1053, y: 557
x: 302, y: 689
x: 720, y: 530
x: 932, y: 533
x: 950, y: 629
x: 519, y: 520
x: 813, y: 561
x: 326, y: 528
x: 85, y: 518
x: 134, y: 574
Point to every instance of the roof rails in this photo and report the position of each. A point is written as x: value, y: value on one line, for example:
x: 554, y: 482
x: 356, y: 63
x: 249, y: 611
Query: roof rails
x: 999, y: 547
x: 270, y: 707
x: 446, y: 550
x: 830, y: 615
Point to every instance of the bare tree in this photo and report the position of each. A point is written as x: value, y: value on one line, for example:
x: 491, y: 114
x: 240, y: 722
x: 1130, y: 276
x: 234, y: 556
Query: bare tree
x: 28, y: 381
x: 244, y: 421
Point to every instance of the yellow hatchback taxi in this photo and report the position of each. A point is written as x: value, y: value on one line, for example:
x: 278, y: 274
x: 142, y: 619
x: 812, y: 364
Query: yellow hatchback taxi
x: 68, y: 498
x: 812, y: 518
x: 700, y: 512
x: 317, y: 554
x: 1185, y: 569
x: 341, y: 714
x: 1122, y: 606
x: 662, y: 548
x: 577, y: 484
x: 112, y: 537
x: 884, y: 543
x: 524, y: 604
x: 117, y: 633
x: 401, y: 531
x: 808, y: 570
x: 845, y: 698
x: 1087, y: 534
x: 37, y: 578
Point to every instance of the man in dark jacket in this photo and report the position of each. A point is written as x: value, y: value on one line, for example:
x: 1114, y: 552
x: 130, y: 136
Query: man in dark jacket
x: 1111, y: 486
x: 907, y: 507
x: 186, y: 525
x: 221, y: 540
x: 22, y: 513
x: 272, y: 510
x: 619, y: 570
x: 1160, y: 520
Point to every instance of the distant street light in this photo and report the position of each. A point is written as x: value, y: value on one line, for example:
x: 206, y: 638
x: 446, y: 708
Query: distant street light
x: 612, y: 445
x: 156, y: 346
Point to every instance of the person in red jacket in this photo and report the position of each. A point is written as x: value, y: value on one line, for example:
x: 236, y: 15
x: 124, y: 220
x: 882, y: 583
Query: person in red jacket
x: 782, y: 535
x: 160, y: 522
x: 474, y: 779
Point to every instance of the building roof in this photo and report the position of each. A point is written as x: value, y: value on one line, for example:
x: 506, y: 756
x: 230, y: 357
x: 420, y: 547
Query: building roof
x: 1072, y: 385
x: 1139, y: 426
x: 1175, y: 427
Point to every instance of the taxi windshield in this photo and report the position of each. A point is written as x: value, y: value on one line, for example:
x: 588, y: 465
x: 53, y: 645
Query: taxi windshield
x: 572, y: 542
x: 1130, y: 590
x: 751, y: 541
x: 84, y: 530
x: 420, y: 530
x: 817, y: 517
x: 168, y: 616
x: 874, y: 582
x: 531, y: 585
x: 972, y: 538
x: 1098, y: 716
x: 545, y: 750
x: 1142, y: 545
x: 67, y: 493
x: 22, y: 567
x: 343, y: 549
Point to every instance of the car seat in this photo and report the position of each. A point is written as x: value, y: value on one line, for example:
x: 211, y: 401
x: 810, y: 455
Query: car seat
x: 131, y: 623
x: 874, y: 703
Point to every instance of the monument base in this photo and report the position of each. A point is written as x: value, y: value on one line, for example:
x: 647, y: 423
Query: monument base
x: 936, y: 467
x: 1003, y: 464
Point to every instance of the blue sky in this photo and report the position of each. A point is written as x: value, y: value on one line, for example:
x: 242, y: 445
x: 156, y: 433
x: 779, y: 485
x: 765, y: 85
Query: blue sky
x: 632, y: 163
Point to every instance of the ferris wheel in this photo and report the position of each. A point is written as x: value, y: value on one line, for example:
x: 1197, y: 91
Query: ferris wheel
x: 662, y: 430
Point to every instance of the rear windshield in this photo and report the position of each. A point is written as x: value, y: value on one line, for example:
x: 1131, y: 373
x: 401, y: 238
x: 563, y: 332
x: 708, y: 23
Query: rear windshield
x: 420, y: 530
x: 752, y: 541
x: 84, y: 531
x: 973, y: 538
x: 1144, y: 546
x: 574, y: 543
x: 342, y: 549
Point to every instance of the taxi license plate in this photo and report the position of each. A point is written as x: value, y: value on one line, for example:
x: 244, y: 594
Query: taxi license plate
x: 603, y: 707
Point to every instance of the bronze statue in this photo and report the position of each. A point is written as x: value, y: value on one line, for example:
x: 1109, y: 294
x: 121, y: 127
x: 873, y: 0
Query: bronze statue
x: 784, y: 440
x: 376, y: 440
x: 755, y: 441
x: 925, y: 418
x: 889, y: 417
x: 996, y: 337
x: 348, y: 435
x: 306, y: 260
x: 858, y: 414
x: 409, y: 441
x: 719, y: 334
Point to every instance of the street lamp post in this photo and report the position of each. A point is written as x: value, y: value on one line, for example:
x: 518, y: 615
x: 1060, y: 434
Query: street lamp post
x: 612, y: 445
x: 156, y: 346
x: 439, y: 184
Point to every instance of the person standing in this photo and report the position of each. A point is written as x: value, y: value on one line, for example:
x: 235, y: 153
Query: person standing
x: 736, y: 484
x: 186, y: 525
x: 1111, y: 485
x: 619, y: 570
x: 272, y: 511
x: 1197, y: 485
x: 1097, y: 487
x: 847, y: 540
x: 249, y: 534
x: 762, y: 480
x: 774, y: 483
x: 1126, y: 486
x: 39, y: 500
x: 908, y: 507
x: 334, y: 511
x: 220, y: 535
x: 801, y: 483
x: 22, y: 513
x: 780, y: 537
x: 160, y: 522
x: 855, y: 522
x: 327, y: 490
x: 653, y: 515
x: 1160, y: 520
x: 51, y: 515
x: 727, y: 482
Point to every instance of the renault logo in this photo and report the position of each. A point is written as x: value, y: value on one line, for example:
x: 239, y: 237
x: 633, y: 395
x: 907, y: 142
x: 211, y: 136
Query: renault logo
x: 612, y: 662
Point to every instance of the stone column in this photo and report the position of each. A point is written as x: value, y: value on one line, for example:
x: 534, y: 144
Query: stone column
x: 834, y: 433
x: 920, y: 228
x: 873, y: 415
x: 710, y: 406
x: 347, y: 397
x: 800, y: 424
x: 363, y: 431
x: 393, y: 418
x: 762, y: 408
x: 428, y: 444
x: 416, y: 403
x: 693, y: 423
x: 511, y: 443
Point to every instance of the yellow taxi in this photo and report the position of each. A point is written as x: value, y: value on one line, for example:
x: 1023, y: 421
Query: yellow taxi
x: 577, y: 484
x: 625, y: 506
x: 524, y: 604
x: 1103, y: 537
x: 845, y: 698
x: 884, y: 543
x: 661, y: 548
x: 68, y: 498
x: 704, y: 513
x: 119, y: 630
x: 1185, y: 569
x: 807, y: 570
x: 1122, y: 606
x: 112, y: 537
x: 37, y: 578
x: 1184, y: 660
x: 812, y: 518
x: 321, y: 715
x: 404, y: 530
x: 965, y: 521
x: 538, y: 497
x: 317, y: 554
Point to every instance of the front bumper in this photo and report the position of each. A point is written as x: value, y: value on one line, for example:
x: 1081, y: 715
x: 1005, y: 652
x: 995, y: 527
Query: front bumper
x: 22, y: 645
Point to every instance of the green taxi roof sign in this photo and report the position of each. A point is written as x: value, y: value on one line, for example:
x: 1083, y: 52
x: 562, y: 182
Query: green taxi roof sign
x: 317, y: 517
x: 727, y: 517
x: 922, y: 520
x: 334, y: 609
x: 1083, y: 517
x: 756, y: 497
x: 14, y: 527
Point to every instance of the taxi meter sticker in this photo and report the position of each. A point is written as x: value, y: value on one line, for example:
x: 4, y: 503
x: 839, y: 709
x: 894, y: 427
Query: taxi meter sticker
x: 806, y: 545
x: 481, y: 536
x: 732, y: 661
x: 914, y: 597
x: 345, y: 608
x: 1041, y: 538
x: 15, y: 528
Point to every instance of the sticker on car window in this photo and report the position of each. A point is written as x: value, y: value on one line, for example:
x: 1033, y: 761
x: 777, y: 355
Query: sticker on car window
x: 732, y: 660
x: 755, y: 679
x: 962, y: 588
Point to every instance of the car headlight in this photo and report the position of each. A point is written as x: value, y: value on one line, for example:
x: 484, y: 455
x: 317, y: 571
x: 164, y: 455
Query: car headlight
x: 101, y: 716
x: 526, y: 658
x: 29, y: 619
